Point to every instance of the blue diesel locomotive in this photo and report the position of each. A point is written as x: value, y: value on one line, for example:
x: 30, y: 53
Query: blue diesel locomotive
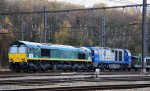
x: 111, y: 59
x: 30, y: 56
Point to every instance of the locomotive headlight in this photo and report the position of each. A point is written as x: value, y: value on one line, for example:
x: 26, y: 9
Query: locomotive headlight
x: 10, y: 60
x: 23, y: 59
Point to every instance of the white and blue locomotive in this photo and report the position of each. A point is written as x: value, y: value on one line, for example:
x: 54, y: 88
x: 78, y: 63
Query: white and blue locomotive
x: 111, y: 59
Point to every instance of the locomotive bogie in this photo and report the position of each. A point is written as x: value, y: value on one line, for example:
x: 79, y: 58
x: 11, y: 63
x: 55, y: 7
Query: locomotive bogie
x: 41, y: 66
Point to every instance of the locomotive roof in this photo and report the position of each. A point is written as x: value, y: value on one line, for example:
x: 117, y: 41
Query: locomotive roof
x: 98, y: 47
x: 25, y: 43
x: 62, y: 46
x: 48, y: 45
x: 42, y: 45
x: 105, y: 48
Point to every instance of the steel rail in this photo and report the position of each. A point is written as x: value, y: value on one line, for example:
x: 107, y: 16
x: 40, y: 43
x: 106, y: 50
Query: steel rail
x: 11, y: 74
x: 82, y: 79
x: 80, y: 88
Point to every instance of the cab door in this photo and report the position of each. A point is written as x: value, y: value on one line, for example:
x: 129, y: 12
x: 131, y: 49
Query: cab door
x: 95, y: 55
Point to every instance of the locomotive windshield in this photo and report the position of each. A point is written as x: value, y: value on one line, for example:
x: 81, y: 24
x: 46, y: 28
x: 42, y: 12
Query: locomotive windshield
x: 13, y: 49
x: 22, y: 49
x: 16, y: 49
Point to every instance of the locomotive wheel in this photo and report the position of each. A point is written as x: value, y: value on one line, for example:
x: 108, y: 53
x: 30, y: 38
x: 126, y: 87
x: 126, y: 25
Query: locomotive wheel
x: 16, y: 70
x: 26, y: 71
x: 34, y: 70
x: 71, y: 70
x: 42, y: 70
x: 129, y: 69
x: 136, y: 69
x: 147, y: 69
x: 110, y: 70
x: 64, y: 70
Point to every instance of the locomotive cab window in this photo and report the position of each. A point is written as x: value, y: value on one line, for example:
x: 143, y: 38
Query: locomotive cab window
x: 116, y: 56
x: 92, y: 52
x: 120, y: 55
x: 45, y: 53
x: 96, y: 51
x: 112, y: 51
x: 148, y: 62
x: 30, y: 50
x: 81, y: 56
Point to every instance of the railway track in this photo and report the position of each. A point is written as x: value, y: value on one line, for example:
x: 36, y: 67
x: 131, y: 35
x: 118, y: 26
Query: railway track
x: 73, y: 79
x: 60, y: 73
x: 103, y: 86
x: 39, y: 83
x: 62, y: 79
x: 88, y: 88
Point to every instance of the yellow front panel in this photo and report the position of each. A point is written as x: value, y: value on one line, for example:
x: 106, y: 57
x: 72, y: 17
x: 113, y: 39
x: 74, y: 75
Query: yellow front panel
x: 17, y: 57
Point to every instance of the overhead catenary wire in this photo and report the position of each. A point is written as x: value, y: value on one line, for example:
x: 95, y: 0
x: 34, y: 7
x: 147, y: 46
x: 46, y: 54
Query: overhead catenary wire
x: 69, y: 10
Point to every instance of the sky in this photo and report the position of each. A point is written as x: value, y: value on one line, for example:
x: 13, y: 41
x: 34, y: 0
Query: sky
x: 89, y: 3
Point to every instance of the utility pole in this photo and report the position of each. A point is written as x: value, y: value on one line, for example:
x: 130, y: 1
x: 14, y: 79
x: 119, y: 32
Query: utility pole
x: 144, y: 36
x: 45, y: 25
x: 103, y: 32
x: 22, y: 31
